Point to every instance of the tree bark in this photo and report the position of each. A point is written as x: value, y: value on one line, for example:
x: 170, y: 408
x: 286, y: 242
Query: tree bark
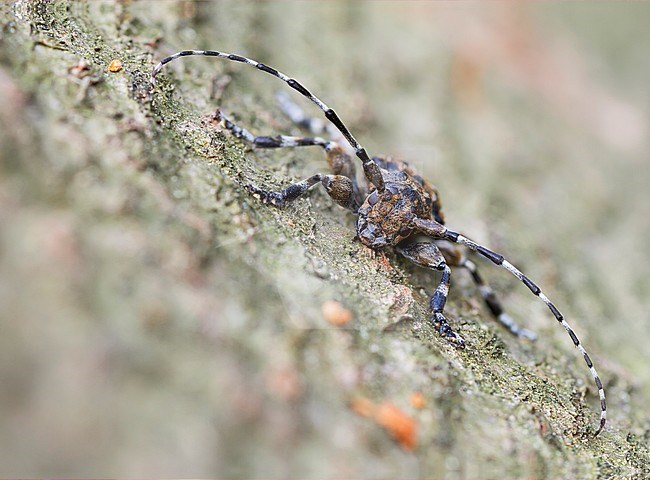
x: 159, y: 321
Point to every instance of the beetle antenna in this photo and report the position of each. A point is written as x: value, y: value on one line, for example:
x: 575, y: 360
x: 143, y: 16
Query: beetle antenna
x: 370, y: 168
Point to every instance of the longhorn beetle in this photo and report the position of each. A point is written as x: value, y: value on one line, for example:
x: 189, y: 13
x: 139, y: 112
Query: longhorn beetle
x: 395, y: 207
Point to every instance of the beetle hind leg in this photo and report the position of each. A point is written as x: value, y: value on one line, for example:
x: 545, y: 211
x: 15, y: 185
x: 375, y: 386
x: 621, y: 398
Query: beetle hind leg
x: 494, y: 305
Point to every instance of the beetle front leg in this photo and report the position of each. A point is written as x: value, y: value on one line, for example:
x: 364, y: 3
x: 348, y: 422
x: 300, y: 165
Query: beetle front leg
x: 427, y: 255
x: 338, y: 187
x: 281, y: 197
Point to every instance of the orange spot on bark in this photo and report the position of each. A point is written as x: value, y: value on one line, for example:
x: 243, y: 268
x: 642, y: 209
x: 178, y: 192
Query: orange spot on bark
x: 418, y: 401
x: 115, y: 66
x: 399, y: 425
x: 362, y: 406
x: 335, y: 313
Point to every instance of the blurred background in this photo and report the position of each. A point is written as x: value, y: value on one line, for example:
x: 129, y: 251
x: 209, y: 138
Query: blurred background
x: 156, y: 322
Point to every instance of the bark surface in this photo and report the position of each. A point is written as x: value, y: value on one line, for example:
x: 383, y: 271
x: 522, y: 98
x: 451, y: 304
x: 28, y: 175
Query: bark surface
x: 158, y: 321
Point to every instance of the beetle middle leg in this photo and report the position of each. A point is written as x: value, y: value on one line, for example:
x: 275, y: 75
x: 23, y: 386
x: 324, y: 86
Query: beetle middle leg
x: 455, y: 258
x: 427, y: 254
x: 277, y: 141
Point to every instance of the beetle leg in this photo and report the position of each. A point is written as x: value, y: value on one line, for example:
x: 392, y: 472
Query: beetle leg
x: 455, y: 258
x: 493, y: 304
x: 339, y: 187
x: 427, y: 255
x: 439, y: 231
x: 281, y: 197
x: 277, y: 141
x: 312, y: 124
x: 339, y: 161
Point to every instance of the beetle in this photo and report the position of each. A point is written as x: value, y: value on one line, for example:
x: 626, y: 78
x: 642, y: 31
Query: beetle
x: 395, y: 208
